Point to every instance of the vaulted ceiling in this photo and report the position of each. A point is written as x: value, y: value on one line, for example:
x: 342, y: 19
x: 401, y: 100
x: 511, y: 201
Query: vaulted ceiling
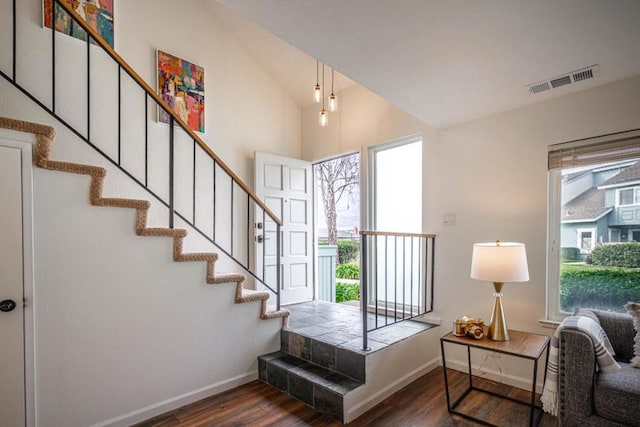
x: 443, y: 61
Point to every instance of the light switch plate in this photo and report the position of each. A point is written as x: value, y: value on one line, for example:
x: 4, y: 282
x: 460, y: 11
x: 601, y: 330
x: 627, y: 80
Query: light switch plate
x: 449, y: 218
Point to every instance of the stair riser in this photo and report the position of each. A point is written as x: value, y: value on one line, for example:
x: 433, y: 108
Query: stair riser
x: 324, y: 354
x: 291, y: 379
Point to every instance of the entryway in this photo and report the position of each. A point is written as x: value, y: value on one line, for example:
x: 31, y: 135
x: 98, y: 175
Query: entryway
x: 15, y: 280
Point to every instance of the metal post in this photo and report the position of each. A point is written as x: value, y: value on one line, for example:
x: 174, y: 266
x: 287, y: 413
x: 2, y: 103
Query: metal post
x: 120, y: 115
x: 146, y: 140
x: 14, y: 52
x: 278, y: 267
x: 88, y: 87
x: 433, y: 268
x: 53, y: 56
x: 213, y: 235
x: 365, y: 294
x: 193, y: 207
x: 171, y: 154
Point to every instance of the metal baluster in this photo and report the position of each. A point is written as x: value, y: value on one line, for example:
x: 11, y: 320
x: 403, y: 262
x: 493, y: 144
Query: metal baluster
x: 194, y: 184
x: 386, y: 279
x: 171, y: 154
x: 278, y: 267
x: 14, y: 36
x: 419, y: 274
x: 119, y: 114
x: 404, y: 277
x: 375, y: 289
x: 88, y: 86
x: 248, y: 229
x: 433, y: 267
x: 231, y: 205
x: 395, y: 279
x: 365, y: 300
x: 53, y: 56
x: 264, y: 246
x: 146, y: 139
x: 213, y: 237
x: 426, y: 278
x: 411, y: 282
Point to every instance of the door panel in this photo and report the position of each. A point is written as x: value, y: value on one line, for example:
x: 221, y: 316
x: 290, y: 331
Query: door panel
x: 12, y: 392
x: 285, y: 186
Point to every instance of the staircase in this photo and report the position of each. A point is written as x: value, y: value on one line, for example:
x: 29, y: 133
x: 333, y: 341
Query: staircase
x: 45, y: 136
x: 317, y: 373
x: 321, y: 361
x: 228, y: 240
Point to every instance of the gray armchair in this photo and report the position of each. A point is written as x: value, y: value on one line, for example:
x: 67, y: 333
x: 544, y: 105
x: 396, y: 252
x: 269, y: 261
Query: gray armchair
x: 591, y: 398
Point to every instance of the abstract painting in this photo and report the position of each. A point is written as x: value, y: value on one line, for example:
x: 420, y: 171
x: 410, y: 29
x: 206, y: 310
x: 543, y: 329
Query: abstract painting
x: 97, y: 13
x: 181, y: 85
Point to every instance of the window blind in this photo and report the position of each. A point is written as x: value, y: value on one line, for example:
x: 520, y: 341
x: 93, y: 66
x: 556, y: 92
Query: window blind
x: 604, y: 149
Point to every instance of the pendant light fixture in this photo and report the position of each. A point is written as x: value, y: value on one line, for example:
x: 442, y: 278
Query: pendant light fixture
x: 324, y: 116
x: 333, y: 100
x: 317, y: 92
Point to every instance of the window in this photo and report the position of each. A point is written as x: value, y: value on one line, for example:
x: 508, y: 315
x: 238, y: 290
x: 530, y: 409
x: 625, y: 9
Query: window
x: 629, y: 196
x: 586, y: 241
x: 594, y: 214
x: 396, y: 186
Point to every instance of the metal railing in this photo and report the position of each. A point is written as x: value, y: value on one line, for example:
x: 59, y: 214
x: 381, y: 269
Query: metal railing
x: 397, y: 278
x: 231, y: 231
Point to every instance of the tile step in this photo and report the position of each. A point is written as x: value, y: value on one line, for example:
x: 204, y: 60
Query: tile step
x: 333, y: 357
x: 321, y: 388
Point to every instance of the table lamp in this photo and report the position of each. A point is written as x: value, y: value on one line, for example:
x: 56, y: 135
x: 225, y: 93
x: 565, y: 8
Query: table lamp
x: 499, y: 262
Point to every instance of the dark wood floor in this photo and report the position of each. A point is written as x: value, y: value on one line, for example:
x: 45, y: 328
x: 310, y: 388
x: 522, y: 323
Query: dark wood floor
x: 421, y: 403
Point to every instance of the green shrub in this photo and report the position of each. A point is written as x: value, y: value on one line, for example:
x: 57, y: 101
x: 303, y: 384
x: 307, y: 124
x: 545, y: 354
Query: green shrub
x: 347, y: 251
x: 606, y: 288
x: 347, y: 291
x: 619, y: 255
x: 570, y: 254
x: 348, y: 271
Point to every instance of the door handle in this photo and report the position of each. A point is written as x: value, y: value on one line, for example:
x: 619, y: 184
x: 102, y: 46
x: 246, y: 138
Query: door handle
x: 260, y: 238
x: 7, y: 305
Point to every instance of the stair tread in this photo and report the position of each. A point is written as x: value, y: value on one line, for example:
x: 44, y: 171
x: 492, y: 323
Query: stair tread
x: 168, y: 232
x: 272, y: 312
x: 326, y: 378
x: 226, y: 278
x: 251, y: 295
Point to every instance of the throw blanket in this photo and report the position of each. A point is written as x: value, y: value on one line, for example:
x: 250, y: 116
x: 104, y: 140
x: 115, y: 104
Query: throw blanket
x: 602, y: 347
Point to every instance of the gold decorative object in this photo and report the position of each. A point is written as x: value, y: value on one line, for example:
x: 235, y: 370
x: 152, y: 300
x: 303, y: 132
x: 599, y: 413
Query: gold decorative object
x: 469, y: 326
x: 499, y: 263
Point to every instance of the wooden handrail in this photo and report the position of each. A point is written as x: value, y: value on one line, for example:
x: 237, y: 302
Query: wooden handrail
x: 152, y: 93
x: 397, y: 234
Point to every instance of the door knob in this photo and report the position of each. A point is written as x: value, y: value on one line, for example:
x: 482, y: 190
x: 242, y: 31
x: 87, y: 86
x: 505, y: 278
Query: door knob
x: 7, y: 305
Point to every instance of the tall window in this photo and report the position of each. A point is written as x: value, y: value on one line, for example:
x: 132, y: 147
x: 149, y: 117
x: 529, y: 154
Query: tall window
x: 397, y: 186
x: 594, y: 218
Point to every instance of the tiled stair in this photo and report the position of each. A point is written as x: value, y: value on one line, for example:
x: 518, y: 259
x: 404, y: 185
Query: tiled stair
x: 315, y: 372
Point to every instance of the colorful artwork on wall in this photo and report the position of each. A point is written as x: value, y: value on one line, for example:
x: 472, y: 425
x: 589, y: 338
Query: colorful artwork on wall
x: 97, y: 13
x: 181, y: 85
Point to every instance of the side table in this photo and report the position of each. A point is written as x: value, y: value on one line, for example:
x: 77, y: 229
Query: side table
x: 522, y: 344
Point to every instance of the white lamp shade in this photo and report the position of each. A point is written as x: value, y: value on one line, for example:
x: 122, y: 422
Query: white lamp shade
x: 501, y: 262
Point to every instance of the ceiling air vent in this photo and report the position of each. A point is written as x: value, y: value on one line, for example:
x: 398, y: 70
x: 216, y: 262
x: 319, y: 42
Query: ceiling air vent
x: 564, y: 80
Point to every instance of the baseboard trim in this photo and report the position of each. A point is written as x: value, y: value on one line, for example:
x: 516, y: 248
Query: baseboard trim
x: 178, y: 401
x: 374, y: 399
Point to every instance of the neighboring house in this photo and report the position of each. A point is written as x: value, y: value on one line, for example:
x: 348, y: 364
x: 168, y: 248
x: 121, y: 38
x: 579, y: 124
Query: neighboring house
x: 601, y: 205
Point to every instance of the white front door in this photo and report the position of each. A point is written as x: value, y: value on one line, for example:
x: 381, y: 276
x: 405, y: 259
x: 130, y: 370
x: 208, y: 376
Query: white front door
x: 12, y: 373
x: 284, y: 184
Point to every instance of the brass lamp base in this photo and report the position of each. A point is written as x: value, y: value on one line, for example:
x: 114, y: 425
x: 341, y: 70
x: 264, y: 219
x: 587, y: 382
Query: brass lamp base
x: 498, y: 326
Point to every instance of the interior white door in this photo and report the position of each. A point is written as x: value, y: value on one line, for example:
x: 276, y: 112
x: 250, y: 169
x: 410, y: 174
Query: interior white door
x: 284, y: 184
x: 12, y: 373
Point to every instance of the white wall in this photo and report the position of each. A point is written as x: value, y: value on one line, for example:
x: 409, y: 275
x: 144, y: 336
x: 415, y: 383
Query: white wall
x: 492, y: 173
x: 123, y: 332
